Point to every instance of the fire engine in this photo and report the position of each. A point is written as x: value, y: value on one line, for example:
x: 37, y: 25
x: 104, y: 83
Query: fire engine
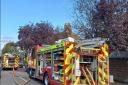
x: 70, y: 63
x: 10, y: 61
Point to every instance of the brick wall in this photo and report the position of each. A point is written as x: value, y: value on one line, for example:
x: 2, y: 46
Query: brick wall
x: 119, y: 69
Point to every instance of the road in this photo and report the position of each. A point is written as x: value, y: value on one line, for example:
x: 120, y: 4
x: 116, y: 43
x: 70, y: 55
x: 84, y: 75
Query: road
x: 7, y: 79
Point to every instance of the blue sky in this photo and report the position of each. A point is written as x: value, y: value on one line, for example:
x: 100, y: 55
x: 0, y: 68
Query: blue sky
x: 15, y: 13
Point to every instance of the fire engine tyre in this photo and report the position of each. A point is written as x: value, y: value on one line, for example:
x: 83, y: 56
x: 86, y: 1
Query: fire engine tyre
x: 46, y: 79
x: 30, y: 73
x: 15, y: 68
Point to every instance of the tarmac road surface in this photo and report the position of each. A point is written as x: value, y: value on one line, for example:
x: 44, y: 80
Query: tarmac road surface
x: 7, y: 78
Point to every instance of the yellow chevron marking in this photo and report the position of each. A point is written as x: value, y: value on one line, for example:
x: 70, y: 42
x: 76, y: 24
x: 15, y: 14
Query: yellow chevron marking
x: 34, y: 62
x: 101, y: 55
x: 105, y: 52
x: 100, y: 70
x: 105, y: 75
x: 71, y: 76
x: 68, y: 68
x: 17, y: 63
x: 68, y: 49
x: 99, y: 59
x: 105, y: 65
x: 73, y: 66
x: 68, y: 58
x: 101, y: 81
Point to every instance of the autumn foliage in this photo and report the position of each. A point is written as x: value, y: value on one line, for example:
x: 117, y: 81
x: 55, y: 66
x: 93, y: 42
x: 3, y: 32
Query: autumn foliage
x: 103, y: 18
x: 35, y: 34
x: 42, y: 33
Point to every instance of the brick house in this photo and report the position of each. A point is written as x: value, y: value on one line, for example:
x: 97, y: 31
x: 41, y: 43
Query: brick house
x: 119, y: 66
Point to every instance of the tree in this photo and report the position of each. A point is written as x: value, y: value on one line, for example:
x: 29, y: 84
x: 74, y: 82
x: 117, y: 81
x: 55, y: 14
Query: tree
x: 107, y: 21
x: 83, y: 14
x: 35, y: 34
x: 10, y: 48
x: 25, y: 37
x: 118, y: 35
x: 43, y: 33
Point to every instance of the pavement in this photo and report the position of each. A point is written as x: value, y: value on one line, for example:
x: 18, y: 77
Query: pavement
x: 118, y: 83
x: 0, y: 71
x: 7, y: 78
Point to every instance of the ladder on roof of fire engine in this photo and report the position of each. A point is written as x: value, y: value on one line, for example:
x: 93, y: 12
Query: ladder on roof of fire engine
x: 91, y: 46
x: 90, y: 43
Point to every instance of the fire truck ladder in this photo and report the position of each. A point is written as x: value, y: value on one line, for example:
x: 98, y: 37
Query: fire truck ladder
x: 88, y: 76
x: 90, y: 43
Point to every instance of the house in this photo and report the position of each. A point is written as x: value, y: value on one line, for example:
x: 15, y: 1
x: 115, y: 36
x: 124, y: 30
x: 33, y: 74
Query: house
x: 66, y: 33
x: 119, y: 66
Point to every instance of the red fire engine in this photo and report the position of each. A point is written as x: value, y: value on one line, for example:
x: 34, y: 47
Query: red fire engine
x: 56, y: 64
x: 68, y: 63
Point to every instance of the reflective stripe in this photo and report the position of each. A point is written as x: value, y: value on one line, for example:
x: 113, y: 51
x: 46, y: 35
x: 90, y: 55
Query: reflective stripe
x: 103, y: 73
x: 100, y: 70
x: 101, y: 81
x: 68, y: 68
x: 105, y: 65
x: 101, y: 59
x: 106, y: 72
x: 71, y: 76
x: 105, y: 52
x: 68, y: 58
x: 69, y: 49
x: 16, y: 61
x: 34, y: 62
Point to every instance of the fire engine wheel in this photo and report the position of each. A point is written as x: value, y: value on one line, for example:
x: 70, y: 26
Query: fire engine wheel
x: 46, y: 80
x: 15, y: 68
x: 30, y: 73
